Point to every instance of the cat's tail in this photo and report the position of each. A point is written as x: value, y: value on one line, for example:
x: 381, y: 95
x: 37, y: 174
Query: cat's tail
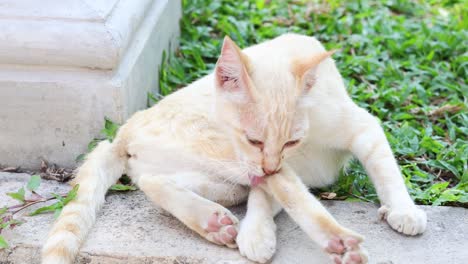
x: 102, y: 168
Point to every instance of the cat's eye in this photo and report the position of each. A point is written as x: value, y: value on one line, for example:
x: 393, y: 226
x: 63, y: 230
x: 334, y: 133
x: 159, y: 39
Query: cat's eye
x: 291, y: 143
x: 256, y: 143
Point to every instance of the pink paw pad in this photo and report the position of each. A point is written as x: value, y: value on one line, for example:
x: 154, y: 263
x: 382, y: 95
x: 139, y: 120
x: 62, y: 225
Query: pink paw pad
x: 346, y: 250
x: 222, y: 230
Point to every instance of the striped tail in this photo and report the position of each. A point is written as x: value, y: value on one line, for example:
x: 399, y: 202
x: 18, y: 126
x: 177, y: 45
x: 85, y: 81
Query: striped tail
x: 102, y: 168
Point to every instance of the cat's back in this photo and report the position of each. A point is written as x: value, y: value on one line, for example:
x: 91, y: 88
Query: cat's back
x: 287, y: 46
x: 184, y: 120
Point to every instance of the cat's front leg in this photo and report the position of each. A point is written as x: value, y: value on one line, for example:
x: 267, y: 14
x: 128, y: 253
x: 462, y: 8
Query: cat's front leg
x: 209, y: 219
x: 342, y: 245
x: 257, y: 233
x: 368, y: 143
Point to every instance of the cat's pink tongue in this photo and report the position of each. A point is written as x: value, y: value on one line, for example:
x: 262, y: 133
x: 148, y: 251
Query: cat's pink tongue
x: 255, y: 180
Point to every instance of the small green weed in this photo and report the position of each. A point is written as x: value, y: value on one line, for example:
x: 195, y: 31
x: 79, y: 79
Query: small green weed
x: 109, y: 132
x: 28, y: 197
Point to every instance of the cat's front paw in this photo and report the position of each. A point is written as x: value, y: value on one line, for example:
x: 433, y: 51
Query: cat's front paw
x: 409, y: 221
x: 257, y: 240
x: 347, y: 249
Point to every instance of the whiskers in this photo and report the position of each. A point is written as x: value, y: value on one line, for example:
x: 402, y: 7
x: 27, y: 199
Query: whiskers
x: 229, y: 172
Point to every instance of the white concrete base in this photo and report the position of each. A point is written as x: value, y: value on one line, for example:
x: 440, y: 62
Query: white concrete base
x: 65, y: 65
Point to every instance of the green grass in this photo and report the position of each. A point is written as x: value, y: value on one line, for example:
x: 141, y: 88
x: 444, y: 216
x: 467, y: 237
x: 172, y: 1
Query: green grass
x: 404, y: 61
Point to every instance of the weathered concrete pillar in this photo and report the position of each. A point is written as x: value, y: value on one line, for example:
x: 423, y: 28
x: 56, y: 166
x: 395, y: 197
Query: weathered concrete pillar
x: 65, y: 65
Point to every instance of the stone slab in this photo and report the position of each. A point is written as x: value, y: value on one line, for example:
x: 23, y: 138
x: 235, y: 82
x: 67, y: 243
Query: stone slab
x: 130, y: 229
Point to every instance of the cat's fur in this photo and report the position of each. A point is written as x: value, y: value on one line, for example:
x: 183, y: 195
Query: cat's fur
x: 200, y: 149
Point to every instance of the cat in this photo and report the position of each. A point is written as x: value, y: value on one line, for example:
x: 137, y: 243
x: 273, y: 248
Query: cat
x: 269, y: 122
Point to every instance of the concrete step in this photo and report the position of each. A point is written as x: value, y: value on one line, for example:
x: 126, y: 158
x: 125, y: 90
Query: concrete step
x: 65, y: 65
x: 130, y: 229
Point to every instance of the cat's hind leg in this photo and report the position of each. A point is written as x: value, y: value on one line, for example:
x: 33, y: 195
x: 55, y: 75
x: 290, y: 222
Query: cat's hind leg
x: 209, y: 219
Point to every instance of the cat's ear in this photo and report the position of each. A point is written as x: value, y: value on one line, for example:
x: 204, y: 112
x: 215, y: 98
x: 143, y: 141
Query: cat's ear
x: 305, y: 69
x: 231, y: 73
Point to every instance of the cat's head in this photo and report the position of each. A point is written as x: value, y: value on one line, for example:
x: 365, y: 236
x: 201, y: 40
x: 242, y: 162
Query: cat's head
x: 263, y: 102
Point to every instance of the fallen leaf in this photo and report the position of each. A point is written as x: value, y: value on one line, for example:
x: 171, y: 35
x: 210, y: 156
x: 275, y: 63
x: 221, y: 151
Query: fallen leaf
x: 328, y: 195
x: 11, y: 169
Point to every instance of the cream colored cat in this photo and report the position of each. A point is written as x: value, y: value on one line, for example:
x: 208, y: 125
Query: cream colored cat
x: 271, y: 120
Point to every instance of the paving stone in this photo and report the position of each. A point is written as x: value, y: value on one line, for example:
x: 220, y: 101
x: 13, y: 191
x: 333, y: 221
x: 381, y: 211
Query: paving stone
x: 130, y: 229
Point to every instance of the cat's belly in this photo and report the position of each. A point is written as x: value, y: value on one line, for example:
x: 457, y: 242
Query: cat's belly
x: 211, y: 179
x: 319, y: 167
